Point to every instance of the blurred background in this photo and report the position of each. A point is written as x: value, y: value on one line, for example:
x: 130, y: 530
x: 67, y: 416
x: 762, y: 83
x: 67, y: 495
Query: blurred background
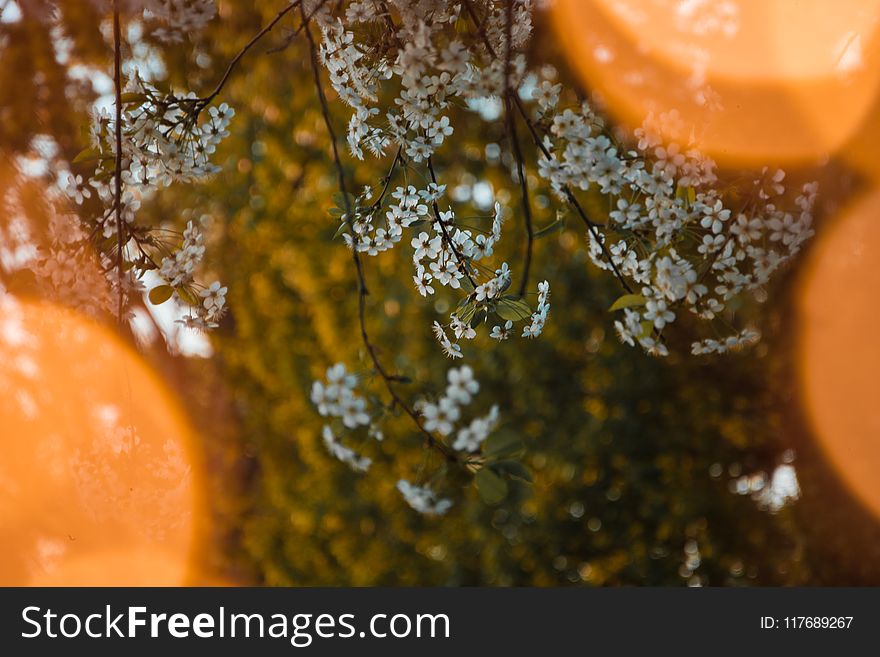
x: 755, y: 468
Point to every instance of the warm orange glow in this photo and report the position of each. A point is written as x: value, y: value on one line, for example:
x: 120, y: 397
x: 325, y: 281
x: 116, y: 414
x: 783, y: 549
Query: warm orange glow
x: 793, y: 79
x: 97, y: 477
x: 839, y: 352
x: 862, y: 148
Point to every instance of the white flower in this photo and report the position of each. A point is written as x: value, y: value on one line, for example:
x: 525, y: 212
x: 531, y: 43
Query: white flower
x: 462, y: 385
x: 501, y: 333
x: 337, y: 398
x: 423, y: 499
x: 461, y: 329
x: 76, y: 190
x: 213, y: 296
x: 471, y: 437
x: 441, y: 417
x: 657, y: 311
x: 346, y: 455
x: 714, y: 217
x: 423, y: 279
x: 440, y: 129
x: 449, y: 348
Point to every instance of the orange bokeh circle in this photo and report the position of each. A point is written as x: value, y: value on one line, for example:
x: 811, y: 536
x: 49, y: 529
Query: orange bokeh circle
x: 99, y: 480
x: 754, y: 81
x: 839, y: 356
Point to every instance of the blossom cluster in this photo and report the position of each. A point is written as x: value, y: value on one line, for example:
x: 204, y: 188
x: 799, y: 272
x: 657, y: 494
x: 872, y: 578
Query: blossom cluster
x: 449, y: 255
x: 402, y: 90
x: 165, y: 138
x: 673, y: 234
x: 336, y: 397
x: 178, y: 18
x: 68, y: 272
x: 423, y: 499
x: 678, y: 238
x: 441, y: 416
x: 430, y: 66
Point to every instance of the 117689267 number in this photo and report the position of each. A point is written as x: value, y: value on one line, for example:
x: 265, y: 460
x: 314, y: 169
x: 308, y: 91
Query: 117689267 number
x: 817, y: 622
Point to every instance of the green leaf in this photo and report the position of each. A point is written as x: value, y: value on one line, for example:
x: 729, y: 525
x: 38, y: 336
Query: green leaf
x: 343, y: 226
x: 513, y: 469
x: 491, y: 487
x: 513, y: 309
x: 480, y: 316
x: 85, y: 155
x: 339, y: 200
x: 628, y: 301
x: 160, y: 294
x: 467, y: 285
x: 501, y: 444
x: 133, y: 97
x: 688, y: 194
x: 466, y: 314
x: 188, y: 296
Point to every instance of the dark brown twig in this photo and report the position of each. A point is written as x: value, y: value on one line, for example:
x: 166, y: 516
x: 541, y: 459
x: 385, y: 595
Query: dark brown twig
x: 241, y: 53
x: 517, y: 152
x: 117, y: 191
x: 389, y: 379
x: 446, y: 237
x: 592, y: 227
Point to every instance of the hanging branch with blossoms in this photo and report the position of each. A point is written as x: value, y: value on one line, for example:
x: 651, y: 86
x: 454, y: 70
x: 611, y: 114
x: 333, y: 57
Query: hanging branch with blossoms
x: 671, y: 240
x: 152, y: 140
x: 677, y: 238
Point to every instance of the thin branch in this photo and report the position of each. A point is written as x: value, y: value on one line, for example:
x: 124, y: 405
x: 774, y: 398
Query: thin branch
x: 250, y: 44
x: 256, y: 38
x: 592, y: 227
x: 389, y: 379
x: 517, y: 152
x: 117, y: 191
x: 446, y: 238
x: 387, y: 181
x: 481, y: 29
x: 289, y: 39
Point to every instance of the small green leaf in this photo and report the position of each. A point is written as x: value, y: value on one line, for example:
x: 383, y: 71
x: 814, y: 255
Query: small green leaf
x: 133, y: 97
x: 628, y: 301
x: 467, y: 285
x: 688, y: 194
x: 85, y: 155
x: 343, y: 226
x: 501, y: 444
x: 160, y: 294
x: 513, y: 309
x: 188, y: 296
x: 491, y: 487
x: 340, y: 201
x: 467, y: 313
x: 513, y: 469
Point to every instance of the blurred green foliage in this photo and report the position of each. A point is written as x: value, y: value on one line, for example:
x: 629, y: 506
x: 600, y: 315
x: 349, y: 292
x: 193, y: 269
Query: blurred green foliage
x: 620, y: 445
x: 632, y: 458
